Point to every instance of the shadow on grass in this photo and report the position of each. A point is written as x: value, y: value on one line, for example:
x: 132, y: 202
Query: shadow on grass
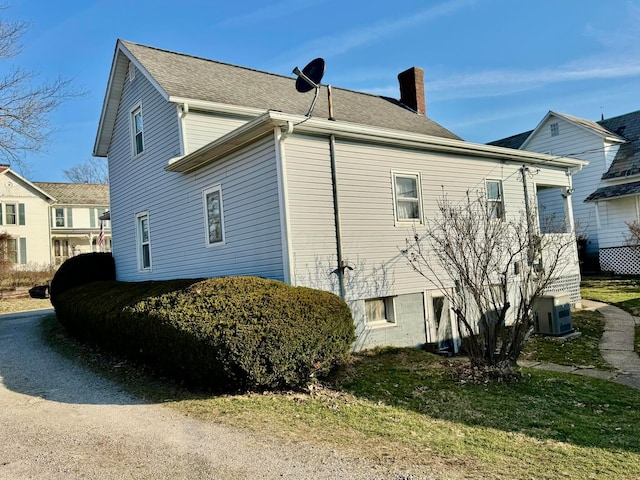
x: 544, y: 405
x: 560, y: 407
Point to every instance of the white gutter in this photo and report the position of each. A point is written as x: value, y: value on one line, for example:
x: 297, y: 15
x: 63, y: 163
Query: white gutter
x: 216, y: 107
x: 344, y: 130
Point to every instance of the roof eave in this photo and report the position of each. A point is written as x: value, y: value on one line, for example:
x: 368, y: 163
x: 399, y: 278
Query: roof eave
x: 266, y: 122
x: 111, y: 102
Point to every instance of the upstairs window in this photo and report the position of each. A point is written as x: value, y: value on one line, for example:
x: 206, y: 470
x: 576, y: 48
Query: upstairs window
x: 406, y: 191
x: 555, y: 129
x: 495, y: 202
x: 11, y: 217
x: 59, y: 217
x: 214, y: 218
x: 137, y: 130
x: 63, y: 217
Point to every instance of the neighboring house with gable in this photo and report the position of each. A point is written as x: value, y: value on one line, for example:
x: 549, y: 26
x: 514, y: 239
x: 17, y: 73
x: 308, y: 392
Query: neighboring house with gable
x: 24, y: 215
x: 606, y: 193
x: 216, y: 170
x: 74, y: 219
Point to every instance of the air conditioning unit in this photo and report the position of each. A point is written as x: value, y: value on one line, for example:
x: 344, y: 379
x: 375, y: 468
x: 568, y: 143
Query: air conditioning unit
x: 552, y: 314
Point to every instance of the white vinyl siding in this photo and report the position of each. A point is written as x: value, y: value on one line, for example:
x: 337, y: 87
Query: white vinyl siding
x: 248, y: 179
x: 202, y: 128
x: 579, y: 143
x: 371, y: 242
x: 614, y: 215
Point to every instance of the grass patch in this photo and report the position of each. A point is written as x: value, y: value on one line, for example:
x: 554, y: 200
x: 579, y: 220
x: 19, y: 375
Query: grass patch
x: 405, y: 407
x: 580, y: 352
x: 11, y: 305
x: 623, y: 292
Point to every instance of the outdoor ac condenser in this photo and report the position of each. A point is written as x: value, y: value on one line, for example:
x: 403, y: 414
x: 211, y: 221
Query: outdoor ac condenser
x: 553, y: 314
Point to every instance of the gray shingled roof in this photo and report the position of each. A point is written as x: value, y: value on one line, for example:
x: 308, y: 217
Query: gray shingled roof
x: 76, y: 193
x: 614, y: 191
x: 627, y: 159
x: 514, y: 141
x: 195, y: 78
x: 625, y: 127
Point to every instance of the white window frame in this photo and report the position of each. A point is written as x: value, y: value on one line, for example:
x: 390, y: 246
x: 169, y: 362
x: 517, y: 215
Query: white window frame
x: 390, y: 313
x: 491, y: 202
x: 207, y: 239
x: 15, y: 214
x: 140, y: 243
x: 134, y: 144
x: 555, y: 129
x: 417, y: 177
x: 55, y: 217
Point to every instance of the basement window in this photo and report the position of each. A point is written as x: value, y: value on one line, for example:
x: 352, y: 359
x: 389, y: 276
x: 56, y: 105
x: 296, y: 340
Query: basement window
x: 379, y: 311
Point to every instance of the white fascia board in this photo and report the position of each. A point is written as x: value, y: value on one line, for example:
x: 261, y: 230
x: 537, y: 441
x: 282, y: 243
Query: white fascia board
x: 263, y: 124
x: 202, y: 105
x: 28, y: 183
x: 111, y: 101
x: 143, y: 70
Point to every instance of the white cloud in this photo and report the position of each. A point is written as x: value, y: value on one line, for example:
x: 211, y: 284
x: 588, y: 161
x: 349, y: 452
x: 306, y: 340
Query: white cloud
x: 338, y: 44
x: 270, y: 12
x: 618, y: 58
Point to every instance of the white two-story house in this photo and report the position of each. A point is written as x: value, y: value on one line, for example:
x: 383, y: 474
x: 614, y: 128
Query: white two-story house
x: 75, y: 219
x: 606, y: 192
x: 217, y: 170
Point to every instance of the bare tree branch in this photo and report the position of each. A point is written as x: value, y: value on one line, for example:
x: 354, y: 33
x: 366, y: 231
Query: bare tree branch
x: 25, y: 104
x: 93, y: 170
x: 491, y: 270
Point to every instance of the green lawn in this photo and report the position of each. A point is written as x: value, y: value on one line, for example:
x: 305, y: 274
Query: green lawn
x: 623, y: 292
x: 582, y: 351
x: 407, y: 408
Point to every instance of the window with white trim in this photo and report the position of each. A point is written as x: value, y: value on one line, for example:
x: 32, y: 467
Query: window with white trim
x: 495, y: 200
x: 214, y: 217
x: 407, y: 199
x: 555, y: 129
x: 143, y: 241
x: 379, y: 311
x: 14, y: 250
x: 11, y: 214
x: 137, y: 130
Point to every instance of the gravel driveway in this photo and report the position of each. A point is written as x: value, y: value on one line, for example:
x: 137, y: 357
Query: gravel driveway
x: 59, y: 420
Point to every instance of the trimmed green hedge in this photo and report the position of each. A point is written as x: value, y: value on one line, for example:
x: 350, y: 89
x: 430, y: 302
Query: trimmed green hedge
x: 233, y: 332
x: 82, y: 269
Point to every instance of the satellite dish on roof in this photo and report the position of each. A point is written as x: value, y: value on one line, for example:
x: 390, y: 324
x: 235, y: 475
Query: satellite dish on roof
x: 310, y: 76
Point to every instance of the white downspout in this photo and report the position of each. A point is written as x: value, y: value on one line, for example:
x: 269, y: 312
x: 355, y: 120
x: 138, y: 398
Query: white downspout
x: 283, y: 194
x: 183, y: 109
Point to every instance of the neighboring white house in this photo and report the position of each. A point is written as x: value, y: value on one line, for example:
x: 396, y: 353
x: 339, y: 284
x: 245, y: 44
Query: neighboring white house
x: 215, y: 170
x: 75, y: 223
x: 24, y: 215
x: 50, y: 222
x: 606, y: 193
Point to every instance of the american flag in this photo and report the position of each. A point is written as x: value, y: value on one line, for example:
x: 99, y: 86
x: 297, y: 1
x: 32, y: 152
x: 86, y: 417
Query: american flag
x: 101, y: 236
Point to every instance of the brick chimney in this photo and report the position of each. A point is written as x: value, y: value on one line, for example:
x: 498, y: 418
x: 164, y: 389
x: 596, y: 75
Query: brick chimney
x: 412, y: 89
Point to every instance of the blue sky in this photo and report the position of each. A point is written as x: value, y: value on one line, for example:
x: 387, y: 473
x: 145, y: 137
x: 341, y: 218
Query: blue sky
x: 493, y: 68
